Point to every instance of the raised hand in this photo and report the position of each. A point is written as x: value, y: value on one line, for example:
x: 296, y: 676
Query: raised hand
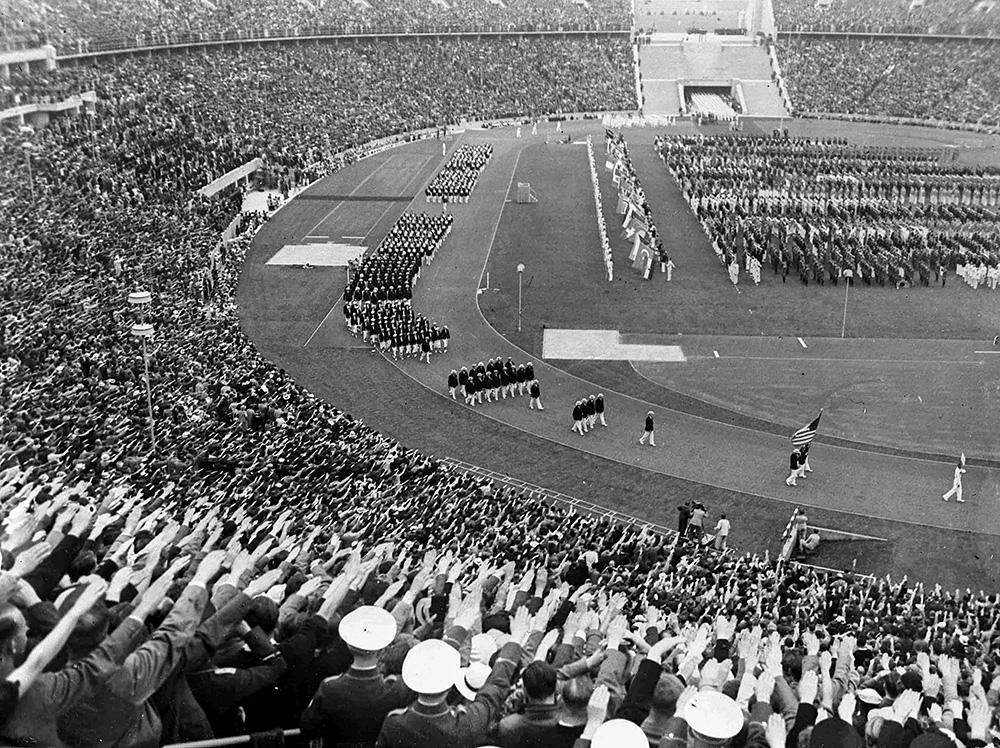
x: 714, y: 674
x: 548, y: 641
x: 520, y: 626
x: 747, y: 685
x: 765, y: 686
x: 775, y: 732
x: 20, y: 530
x: 683, y: 700
x: 92, y: 593
x: 724, y: 627
x: 978, y: 718
x: 905, y: 706
x: 264, y: 582
x: 315, y: 584
x: 617, y: 627
x: 847, y: 707
x: 811, y: 642
x: 808, y: 686
x: 29, y: 559
x: 210, y: 565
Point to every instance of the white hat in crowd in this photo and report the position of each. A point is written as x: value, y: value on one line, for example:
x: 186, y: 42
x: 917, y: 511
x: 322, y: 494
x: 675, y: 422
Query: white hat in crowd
x: 713, y: 715
x: 619, y: 733
x: 369, y: 628
x: 471, y: 679
x: 431, y: 667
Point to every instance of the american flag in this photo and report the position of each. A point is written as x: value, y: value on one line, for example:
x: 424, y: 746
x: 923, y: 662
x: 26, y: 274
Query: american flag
x: 807, y: 433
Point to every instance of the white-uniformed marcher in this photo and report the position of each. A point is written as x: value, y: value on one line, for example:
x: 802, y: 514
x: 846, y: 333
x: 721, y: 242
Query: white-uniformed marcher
x: 956, y: 485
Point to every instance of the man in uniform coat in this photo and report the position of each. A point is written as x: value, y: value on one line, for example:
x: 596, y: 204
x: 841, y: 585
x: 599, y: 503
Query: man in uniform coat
x: 351, y: 707
x: 431, y: 669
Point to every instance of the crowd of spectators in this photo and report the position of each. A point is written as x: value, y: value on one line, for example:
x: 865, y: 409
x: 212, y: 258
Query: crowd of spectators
x: 457, y: 178
x: 828, y: 209
x: 373, y: 596
x: 276, y: 563
x: 73, y: 25
x: 950, y: 80
x: 959, y: 17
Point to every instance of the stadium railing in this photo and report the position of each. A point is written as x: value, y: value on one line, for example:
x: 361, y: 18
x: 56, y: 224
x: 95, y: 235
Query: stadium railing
x: 295, y: 735
x: 887, y: 35
x: 886, y: 120
x: 560, y: 498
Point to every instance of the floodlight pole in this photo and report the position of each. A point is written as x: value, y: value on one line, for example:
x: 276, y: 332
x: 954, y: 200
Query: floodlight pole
x: 31, y: 178
x: 520, y: 274
x: 143, y: 330
x: 847, y: 291
x: 149, y: 396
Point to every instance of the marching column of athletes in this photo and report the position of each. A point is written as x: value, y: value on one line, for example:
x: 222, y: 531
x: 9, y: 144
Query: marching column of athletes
x: 498, y: 380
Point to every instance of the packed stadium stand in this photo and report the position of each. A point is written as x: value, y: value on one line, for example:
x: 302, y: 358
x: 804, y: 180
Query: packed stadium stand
x: 92, y: 24
x: 950, y: 80
x: 276, y: 564
x: 960, y: 17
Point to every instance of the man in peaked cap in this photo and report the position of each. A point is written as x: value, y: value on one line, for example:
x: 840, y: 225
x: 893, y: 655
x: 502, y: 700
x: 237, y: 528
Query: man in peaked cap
x: 351, y: 707
x: 430, y: 669
x: 713, y: 719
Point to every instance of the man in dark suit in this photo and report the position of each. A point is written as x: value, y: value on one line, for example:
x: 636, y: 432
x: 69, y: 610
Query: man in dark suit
x: 538, y: 726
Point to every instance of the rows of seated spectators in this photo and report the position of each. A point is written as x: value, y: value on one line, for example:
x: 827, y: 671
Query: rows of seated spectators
x: 961, y: 17
x: 826, y: 210
x: 946, y: 80
x: 48, y: 87
x: 82, y: 24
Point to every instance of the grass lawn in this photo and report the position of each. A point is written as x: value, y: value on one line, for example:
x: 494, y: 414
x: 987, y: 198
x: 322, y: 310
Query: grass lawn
x: 930, y: 409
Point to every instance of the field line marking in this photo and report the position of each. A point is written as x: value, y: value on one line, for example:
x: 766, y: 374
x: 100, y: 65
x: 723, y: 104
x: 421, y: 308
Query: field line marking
x: 406, y: 188
x: 352, y: 192
x: 323, y: 321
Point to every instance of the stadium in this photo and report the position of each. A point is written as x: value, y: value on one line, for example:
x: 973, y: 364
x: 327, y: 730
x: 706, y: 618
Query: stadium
x: 500, y: 372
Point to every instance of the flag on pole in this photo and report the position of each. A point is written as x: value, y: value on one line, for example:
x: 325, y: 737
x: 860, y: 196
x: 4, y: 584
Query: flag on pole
x: 807, y: 433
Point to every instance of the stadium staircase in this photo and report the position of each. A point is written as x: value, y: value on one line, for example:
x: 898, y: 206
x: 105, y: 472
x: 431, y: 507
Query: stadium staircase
x: 671, y: 61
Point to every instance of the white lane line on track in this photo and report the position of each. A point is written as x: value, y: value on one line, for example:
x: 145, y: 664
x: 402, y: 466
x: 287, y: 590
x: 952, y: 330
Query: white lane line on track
x: 352, y: 192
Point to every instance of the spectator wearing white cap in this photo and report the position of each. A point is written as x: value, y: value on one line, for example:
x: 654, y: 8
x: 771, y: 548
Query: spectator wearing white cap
x: 471, y: 679
x: 431, y: 669
x: 350, y: 708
